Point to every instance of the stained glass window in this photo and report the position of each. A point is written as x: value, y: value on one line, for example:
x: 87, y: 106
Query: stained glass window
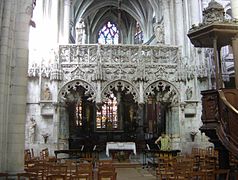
x: 107, y: 116
x: 78, y: 114
x: 109, y: 34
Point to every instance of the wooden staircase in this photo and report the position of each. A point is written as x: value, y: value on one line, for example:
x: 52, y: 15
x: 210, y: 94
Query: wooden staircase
x: 220, y: 121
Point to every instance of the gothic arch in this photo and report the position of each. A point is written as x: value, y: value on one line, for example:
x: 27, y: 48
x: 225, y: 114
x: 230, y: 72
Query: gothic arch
x: 122, y: 85
x: 164, y: 90
x: 66, y: 92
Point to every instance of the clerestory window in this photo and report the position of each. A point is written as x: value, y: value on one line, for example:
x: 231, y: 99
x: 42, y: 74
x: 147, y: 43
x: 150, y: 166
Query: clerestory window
x: 109, y: 34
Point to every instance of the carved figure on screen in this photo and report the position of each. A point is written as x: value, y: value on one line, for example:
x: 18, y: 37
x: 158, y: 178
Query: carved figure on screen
x: 80, y: 31
x: 32, y: 130
x: 159, y: 32
x: 47, y: 94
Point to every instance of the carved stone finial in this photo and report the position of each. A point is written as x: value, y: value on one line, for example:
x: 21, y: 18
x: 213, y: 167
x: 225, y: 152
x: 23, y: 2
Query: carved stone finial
x: 214, y: 12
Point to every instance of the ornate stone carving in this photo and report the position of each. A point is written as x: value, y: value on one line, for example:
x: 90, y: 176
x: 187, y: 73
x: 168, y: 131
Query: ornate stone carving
x: 47, y: 95
x: 69, y: 92
x: 120, y: 86
x: 159, y: 32
x: 164, y: 91
x: 202, y: 71
x: 135, y: 67
x: 32, y: 130
x: 189, y: 93
x: 56, y: 72
x: 213, y: 13
x: 34, y: 70
x: 114, y: 62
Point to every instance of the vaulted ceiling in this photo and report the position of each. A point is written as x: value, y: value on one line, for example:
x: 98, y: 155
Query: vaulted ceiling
x: 96, y: 12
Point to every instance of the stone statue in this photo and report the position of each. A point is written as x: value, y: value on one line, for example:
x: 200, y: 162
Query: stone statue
x: 189, y: 93
x: 159, y: 32
x: 32, y: 130
x: 80, y: 31
x: 47, y: 94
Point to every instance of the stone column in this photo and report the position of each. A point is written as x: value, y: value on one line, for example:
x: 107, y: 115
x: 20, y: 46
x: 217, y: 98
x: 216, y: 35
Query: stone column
x: 195, y: 14
x: 234, y: 8
x: 15, y: 103
x: 235, y: 53
x: 67, y: 7
x: 166, y: 21
x: 63, y: 126
x: 179, y: 24
x: 4, y: 84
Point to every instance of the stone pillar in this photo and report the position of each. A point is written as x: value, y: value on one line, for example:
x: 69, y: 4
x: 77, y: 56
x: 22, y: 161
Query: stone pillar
x: 13, y: 82
x: 179, y: 31
x: 4, y: 84
x: 175, y: 126
x: 166, y: 21
x: 234, y: 8
x: 67, y: 7
x: 195, y: 14
x: 235, y: 52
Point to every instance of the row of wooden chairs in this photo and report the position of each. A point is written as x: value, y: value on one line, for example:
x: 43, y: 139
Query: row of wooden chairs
x: 47, y: 170
x: 70, y: 169
x: 187, y: 167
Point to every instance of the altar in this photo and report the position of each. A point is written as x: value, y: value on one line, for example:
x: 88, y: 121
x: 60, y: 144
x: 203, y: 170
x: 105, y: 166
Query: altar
x: 120, y: 146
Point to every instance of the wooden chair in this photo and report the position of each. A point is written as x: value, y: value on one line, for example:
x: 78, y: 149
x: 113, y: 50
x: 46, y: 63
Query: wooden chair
x: 57, y: 170
x: 81, y: 175
x: 166, y: 168
x: 56, y: 177
x: 44, y: 155
x: 103, y: 162
x: 71, y: 167
x: 27, y: 176
x: 42, y: 169
x: 107, y: 175
x: 4, y: 175
x: 221, y: 172
x: 85, y: 168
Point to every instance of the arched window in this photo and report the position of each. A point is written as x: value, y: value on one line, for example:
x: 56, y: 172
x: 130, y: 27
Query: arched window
x: 109, y: 34
x: 107, y: 118
x: 78, y: 113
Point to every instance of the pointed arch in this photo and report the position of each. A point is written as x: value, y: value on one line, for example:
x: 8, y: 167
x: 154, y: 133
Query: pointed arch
x: 164, y: 91
x: 68, y: 91
x: 120, y: 85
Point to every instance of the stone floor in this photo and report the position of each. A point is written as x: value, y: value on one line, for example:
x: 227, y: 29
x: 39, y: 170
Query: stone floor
x: 137, y: 173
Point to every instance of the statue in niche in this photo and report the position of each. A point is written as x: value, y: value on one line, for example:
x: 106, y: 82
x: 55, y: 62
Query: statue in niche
x: 159, y: 32
x: 189, y: 93
x: 131, y: 113
x: 80, y: 31
x: 47, y: 94
x: 32, y: 130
